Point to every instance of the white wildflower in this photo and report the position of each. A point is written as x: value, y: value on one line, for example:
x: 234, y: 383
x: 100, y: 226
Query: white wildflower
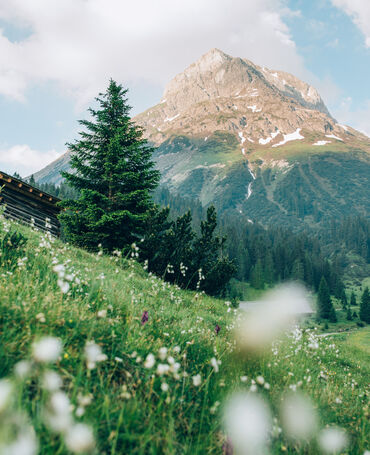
x: 24, y: 444
x: 80, y: 438
x: 164, y: 387
x: 298, y: 417
x: 214, y: 364
x: 273, y: 315
x: 332, y: 440
x: 162, y: 353
x: 51, y: 381
x: 247, y: 423
x: 162, y: 369
x: 260, y: 380
x: 58, y: 415
x: 64, y: 286
x: 22, y: 369
x: 102, y: 313
x: 40, y: 317
x: 59, y: 269
x: 93, y: 354
x: 48, y: 349
x: 197, y: 379
x: 149, y: 361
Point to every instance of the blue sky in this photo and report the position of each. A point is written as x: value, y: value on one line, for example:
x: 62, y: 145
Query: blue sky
x: 56, y: 55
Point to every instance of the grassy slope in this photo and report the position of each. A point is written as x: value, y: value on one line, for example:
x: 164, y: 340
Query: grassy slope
x: 129, y: 412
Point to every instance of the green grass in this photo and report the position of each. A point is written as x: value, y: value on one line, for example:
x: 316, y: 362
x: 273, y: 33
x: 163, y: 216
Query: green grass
x: 129, y: 411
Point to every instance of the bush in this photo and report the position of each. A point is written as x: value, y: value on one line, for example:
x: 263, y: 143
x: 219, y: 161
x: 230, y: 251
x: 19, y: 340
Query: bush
x: 11, y: 249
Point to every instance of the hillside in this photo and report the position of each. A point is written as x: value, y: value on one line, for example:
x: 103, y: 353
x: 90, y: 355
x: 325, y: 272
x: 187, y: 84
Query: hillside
x: 142, y: 364
x: 254, y: 141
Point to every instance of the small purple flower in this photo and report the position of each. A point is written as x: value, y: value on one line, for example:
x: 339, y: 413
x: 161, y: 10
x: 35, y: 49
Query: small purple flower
x: 144, y: 318
x: 217, y: 329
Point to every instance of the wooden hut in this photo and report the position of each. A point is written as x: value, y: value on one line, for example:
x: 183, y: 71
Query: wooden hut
x: 27, y: 204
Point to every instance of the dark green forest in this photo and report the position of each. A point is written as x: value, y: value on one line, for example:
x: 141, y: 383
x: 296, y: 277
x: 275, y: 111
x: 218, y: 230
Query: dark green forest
x: 267, y: 255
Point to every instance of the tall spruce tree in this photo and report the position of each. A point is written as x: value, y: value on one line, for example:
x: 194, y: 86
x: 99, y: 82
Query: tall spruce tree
x: 325, y: 306
x: 365, y: 306
x: 113, y: 171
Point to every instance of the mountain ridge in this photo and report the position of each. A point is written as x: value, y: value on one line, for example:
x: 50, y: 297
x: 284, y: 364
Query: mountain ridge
x: 255, y: 141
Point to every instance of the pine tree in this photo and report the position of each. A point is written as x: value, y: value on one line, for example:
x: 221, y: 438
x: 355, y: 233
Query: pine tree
x: 298, y: 270
x: 353, y: 299
x: 343, y: 299
x: 32, y: 180
x: 257, y: 280
x: 324, y: 304
x: 349, y: 314
x: 365, y: 306
x: 114, y: 173
x: 269, y: 269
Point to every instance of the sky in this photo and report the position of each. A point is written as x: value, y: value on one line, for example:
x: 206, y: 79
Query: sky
x: 57, y: 55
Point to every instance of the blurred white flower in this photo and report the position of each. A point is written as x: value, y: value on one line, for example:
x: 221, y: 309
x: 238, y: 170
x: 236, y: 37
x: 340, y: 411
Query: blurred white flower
x: 46, y: 350
x: 332, y: 440
x: 164, y: 387
x: 149, y: 361
x: 260, y: 380
x: 58, y: 413
x: 214, y: 364
x: 278, y: 311
x: 51, y: 381
x: 299, y: 417
x: 6, y: 389
x: 24, y: 444
x: 162, y: 352
x: 102, y: 313
x: 22, y: 369
x: 247, y: 423
x: 59, y: 269
x: 162, y: 369
x: 80, y: 438
x: 40, y: 317
x: 93, y: 354
x: 197, y: 379
x: 64, y: 286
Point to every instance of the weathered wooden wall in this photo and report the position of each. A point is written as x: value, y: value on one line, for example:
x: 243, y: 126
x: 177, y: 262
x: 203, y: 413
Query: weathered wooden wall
x: 29, y: 205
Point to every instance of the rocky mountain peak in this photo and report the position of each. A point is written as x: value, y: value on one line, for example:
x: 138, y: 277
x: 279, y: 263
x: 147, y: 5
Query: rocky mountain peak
x: 218, y: 92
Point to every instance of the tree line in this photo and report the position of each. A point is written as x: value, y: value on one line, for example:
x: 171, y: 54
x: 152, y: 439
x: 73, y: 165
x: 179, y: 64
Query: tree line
x: 112, y: 200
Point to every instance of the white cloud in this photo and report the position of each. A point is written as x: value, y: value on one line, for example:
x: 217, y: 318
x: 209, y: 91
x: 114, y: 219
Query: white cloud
x: 24, y: 160
x: 79, y: 44
x: 359, y: 11
x: 357, y: 118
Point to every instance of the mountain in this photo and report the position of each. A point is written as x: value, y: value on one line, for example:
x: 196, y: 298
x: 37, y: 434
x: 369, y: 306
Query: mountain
x: 255, y: 141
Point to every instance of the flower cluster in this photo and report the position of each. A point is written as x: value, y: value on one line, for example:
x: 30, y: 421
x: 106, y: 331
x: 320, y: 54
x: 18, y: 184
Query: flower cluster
x: 17, y: 436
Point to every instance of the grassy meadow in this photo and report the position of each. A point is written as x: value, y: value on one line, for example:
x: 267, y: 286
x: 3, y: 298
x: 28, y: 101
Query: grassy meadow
x: 137, y: 366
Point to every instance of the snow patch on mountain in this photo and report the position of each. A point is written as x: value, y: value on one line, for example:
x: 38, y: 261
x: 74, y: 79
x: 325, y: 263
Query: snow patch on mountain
x: 290, y: 137
x: 269, y: 139
x: 254, y: 108
x: 333, y: 136
x: 169, y: 119
x: 322, y: 142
